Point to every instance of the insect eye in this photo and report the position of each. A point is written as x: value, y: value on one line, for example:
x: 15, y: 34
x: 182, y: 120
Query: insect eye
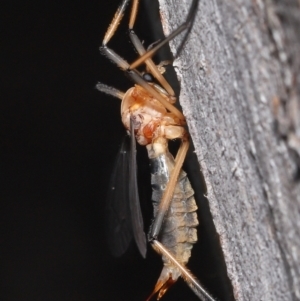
x: 148, y: 77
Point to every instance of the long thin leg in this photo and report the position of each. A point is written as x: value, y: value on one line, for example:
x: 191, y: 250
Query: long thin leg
x: 190, y: 279
x: 149, y: 62
x: 148, y: 54
x: 168, y: 193
x: 113, y: 26
x: 141, y: 50
x: 186, y: 25
x: 115, y: 22
x: 110, y: 90
x: 133, y: 13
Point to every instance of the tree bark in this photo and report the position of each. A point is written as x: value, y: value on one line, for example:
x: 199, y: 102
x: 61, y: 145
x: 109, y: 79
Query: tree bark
x: 239, y: 77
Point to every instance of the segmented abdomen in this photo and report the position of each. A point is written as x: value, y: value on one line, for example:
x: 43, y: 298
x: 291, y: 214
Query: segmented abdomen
x: 178, y: 233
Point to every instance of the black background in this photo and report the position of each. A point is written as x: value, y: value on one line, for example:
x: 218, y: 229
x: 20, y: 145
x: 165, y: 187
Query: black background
x: 59, y: 138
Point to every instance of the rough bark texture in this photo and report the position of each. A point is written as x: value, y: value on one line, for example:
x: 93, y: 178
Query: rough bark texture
x: 239, y: 75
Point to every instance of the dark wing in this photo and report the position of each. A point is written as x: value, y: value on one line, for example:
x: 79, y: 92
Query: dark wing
x: 134, y: 201
x: 119, y: 228
x: 123, y: 211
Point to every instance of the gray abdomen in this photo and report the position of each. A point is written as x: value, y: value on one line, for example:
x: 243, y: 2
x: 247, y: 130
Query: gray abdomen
x: 178, y: 233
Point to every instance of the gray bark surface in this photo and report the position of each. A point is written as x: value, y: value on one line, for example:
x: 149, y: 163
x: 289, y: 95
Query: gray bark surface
x: 239, y: 75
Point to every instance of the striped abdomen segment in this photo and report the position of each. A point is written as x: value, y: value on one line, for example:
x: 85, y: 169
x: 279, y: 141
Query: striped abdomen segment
x: 178, y: 233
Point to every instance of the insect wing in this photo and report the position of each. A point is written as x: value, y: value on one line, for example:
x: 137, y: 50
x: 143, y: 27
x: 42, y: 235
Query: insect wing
x: 134, y: 201
x: 123, y: 210
x: 119, y: 228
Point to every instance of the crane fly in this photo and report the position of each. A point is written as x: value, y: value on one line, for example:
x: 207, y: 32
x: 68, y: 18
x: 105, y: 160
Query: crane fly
x: 150, y: 118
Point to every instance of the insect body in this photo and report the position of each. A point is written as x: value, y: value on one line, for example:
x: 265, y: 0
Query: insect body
x: 178, y: 233
x: 149, y: 116
x: 154, y: 126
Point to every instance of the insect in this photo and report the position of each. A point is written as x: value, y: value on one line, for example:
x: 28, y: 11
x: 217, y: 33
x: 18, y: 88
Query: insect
x: 150, y: 117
